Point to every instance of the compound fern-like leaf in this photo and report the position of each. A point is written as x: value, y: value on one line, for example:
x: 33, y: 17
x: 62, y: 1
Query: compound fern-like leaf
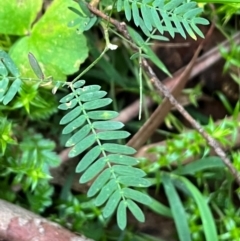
x: 107, y: 162
x: 174, y: 16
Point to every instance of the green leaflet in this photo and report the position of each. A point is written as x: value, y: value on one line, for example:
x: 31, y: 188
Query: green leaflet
x: 78, y: 136
x: 93, y: 170
x: 122, y: 215
x: 88, y: 128
x: 67, y: 98
x: 88, y: 159
x: 77, y: 123
x: 97, y: 104
x: 128, y: 171
x: 105, y: 193
x: 7, y: 61
x: 116, y: 148
x: 92, y: 95
x: 3, y: 86
x: 79, y: 84
x: 89, y: 88
x: 137, y: 196
x: 134, y: 181
x: 35, y: 66
x: 99, y: 182
x: 12, y: 91
x: 135, y: 13
x: 102, y: 114
x: 112, y: 135
x: 3, y: 69
x: 82, y: 145
x: 122, y: 159
x: 8, y: 89
x: 68, y: 105
x: 111, y: 204
x: 107, y: 125
x: 71, y: 115
x: 135, y: 210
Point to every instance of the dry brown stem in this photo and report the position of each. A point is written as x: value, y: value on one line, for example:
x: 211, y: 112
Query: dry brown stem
x: 18, y: 224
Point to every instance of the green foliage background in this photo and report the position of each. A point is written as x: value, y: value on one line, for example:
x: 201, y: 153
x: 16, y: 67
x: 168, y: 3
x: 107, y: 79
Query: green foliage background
x: 200, y: 194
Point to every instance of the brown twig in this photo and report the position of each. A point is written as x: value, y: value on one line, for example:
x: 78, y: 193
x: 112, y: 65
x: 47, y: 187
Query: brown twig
x: 121, y: 27
x: 18, y: 224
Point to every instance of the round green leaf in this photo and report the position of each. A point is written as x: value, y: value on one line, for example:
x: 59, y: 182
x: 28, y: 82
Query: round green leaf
x: 17, y: 16
x: 59, y: 49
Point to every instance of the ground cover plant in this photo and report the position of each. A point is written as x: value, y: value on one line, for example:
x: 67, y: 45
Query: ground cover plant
x: 77, y: 77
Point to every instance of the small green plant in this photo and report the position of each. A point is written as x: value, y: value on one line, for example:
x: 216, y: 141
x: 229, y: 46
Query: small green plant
x: 110, y: 162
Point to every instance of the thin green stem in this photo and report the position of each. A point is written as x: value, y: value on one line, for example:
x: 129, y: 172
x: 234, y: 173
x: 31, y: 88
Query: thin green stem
x: 106, y: 36
x: 140, y: 85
